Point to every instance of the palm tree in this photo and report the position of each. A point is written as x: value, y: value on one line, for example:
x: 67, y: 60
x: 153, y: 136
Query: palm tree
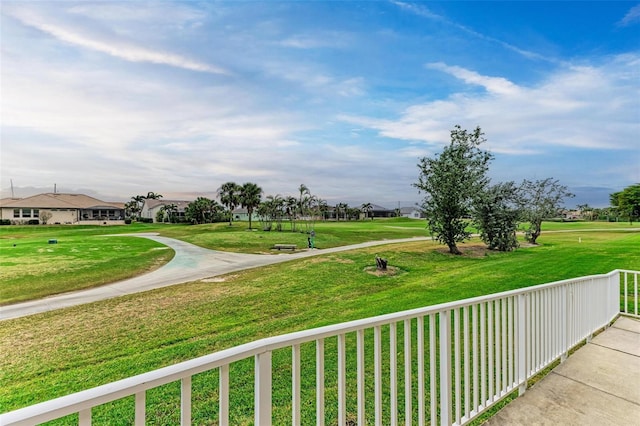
x: 250, y: 195
x: 229, y: 194
x: 366, y: 209
x: 345, y: 209
x: 139, y: 202
x: 172, y: 212
x: 304, y: 198
x: 290, y: 205
x: 153, y: 196
x: 131, y: 208
x: 323, y: 208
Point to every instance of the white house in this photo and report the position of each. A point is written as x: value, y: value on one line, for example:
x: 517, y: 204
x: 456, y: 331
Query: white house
x: 151, y: 207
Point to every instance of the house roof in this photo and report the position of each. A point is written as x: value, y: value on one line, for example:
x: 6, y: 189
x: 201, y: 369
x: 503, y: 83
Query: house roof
x: 60, y: 201
x: 151, y: 203
x: 376, y: 207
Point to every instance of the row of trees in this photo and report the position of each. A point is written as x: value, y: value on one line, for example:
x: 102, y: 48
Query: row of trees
x: 274, y: 210
x: 457, y: 187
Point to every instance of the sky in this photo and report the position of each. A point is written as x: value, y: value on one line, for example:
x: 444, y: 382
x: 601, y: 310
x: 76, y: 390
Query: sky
x: 115, y: 99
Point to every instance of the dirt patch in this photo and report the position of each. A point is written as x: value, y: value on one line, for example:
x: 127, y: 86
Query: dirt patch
x: 468, y: 251
x: 390, y: 272
x: 480, y: 250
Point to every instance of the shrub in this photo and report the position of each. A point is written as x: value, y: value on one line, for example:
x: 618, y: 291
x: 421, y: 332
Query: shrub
x: 127, y: 221
x: 33, y: 222
x: 5, y: 222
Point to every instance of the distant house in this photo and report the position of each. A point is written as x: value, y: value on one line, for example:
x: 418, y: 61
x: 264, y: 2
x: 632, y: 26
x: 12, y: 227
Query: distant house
x: 151, y: 208
x: 411, y: 212
x: 63, y: 208
x: 379, y: 211
x: 242, y: 214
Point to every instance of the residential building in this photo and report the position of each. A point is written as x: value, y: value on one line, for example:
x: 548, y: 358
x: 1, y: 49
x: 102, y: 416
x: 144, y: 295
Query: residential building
x: 63, y: 209
x: 152, y: 206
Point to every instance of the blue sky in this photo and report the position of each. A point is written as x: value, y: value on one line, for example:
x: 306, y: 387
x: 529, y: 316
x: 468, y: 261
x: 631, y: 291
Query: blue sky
x: 122, y: 98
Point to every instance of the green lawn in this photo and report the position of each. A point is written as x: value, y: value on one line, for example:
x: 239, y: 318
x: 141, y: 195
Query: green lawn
x: 56, y: 353
x: 84, y: 257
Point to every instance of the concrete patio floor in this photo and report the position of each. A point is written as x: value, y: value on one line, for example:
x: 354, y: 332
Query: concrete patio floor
x: 597, y: 385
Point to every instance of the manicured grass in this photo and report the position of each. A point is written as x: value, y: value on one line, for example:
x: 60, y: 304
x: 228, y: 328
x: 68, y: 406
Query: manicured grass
x: 32, y: 268
x: 84, y: 257
x: 56, y: 353
x: 237, y: 238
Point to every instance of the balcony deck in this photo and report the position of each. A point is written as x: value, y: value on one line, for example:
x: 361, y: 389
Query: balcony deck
x: 597, y: 385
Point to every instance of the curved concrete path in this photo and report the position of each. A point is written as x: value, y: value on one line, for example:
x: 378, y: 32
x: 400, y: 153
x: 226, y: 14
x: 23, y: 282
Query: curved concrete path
x: 190, y: 263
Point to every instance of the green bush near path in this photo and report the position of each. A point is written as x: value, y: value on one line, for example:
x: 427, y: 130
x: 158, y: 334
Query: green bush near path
x: 56, y: 353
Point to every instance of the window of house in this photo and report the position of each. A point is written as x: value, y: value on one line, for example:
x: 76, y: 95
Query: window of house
x: 16, y: 212
x: 26, y: 212
x: 36, y: 213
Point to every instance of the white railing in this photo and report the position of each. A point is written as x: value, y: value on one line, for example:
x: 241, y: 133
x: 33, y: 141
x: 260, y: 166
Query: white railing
x: 443, y: 364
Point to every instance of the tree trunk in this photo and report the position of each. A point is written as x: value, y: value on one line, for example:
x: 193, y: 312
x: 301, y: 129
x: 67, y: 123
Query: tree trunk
x: 453, y: 249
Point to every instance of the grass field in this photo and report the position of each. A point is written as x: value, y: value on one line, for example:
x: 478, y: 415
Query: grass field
x: 56, y: 353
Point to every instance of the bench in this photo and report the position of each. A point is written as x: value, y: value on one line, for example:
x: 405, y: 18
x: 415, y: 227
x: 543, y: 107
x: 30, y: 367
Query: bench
x: 284, y: 246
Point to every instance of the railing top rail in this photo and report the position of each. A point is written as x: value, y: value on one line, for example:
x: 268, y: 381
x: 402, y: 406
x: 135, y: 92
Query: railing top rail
x: 109, y: 392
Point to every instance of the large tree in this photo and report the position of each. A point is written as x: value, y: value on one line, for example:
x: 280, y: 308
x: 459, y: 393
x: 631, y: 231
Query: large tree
x: 250, y: 197
x: 496, y: 212
x: 542, y: 200
x: 449, y: 181
x: 229, y: 194
x: 627, y: 202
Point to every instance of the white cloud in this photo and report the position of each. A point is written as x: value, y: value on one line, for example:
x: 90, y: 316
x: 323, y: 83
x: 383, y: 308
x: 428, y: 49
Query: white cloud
x: 632, y: 17
x: 586, y: 107
x: 496, y: 85
x: 117, y: 48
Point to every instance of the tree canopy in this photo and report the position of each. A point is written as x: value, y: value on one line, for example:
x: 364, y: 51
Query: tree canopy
x: 250, y: 197
x: 449, y: 181
x: 627, y: 202
x: 542, y: 200
x: 496, y: 212
x: 229, y: 194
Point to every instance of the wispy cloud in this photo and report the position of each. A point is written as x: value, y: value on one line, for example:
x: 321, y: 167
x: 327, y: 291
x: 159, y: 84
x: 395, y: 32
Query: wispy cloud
x: 422, y: 10
x: 496, y: 85
x: 599, y: 102
x: 116, y: 48
x: 632, y: 17
x: 326, y: 39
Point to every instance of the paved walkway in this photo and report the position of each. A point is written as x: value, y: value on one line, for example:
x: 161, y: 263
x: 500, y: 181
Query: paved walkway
x: 598, y: 385
x: 190, y: 263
